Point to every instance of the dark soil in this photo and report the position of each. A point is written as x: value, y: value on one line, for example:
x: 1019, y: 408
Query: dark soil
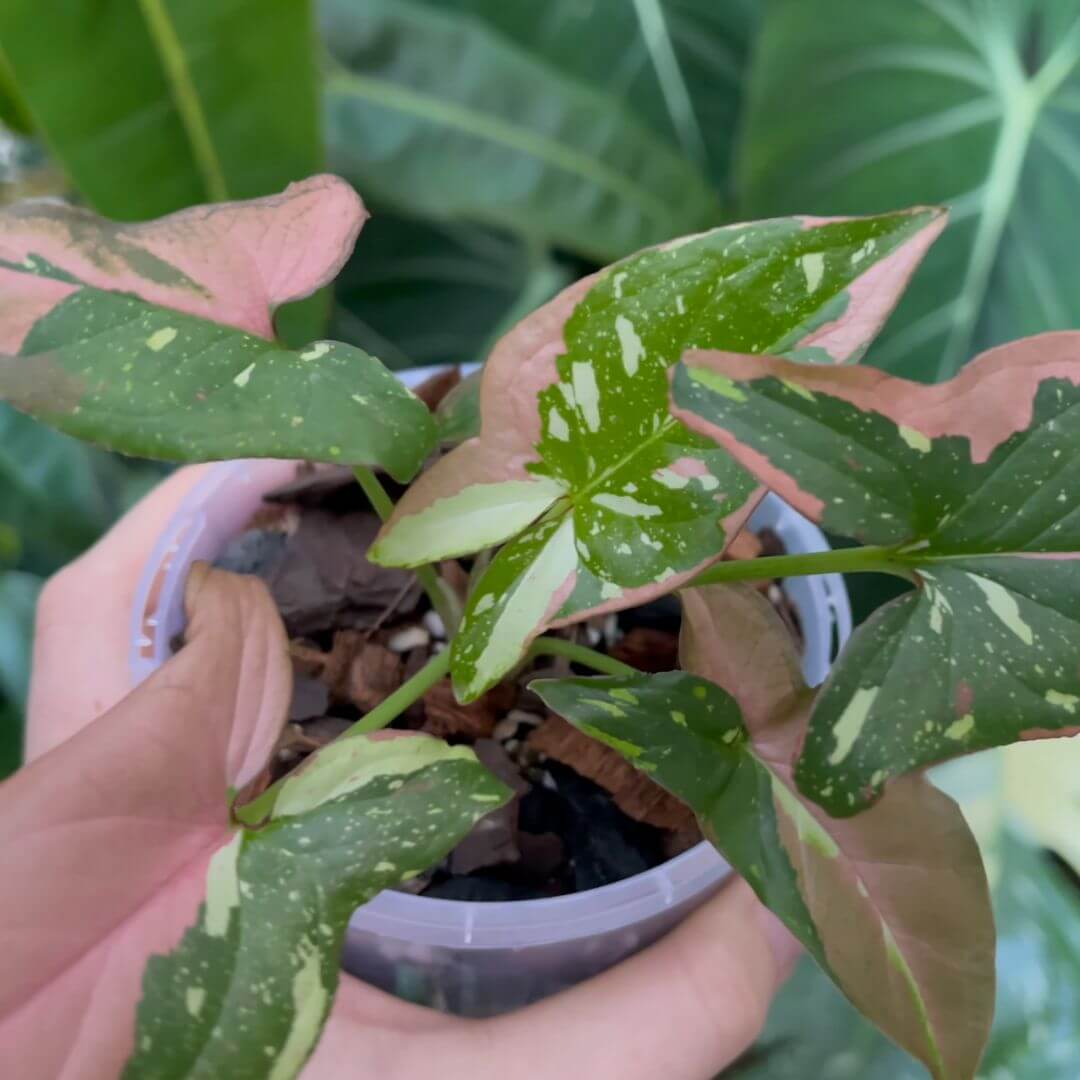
x: 581, y: 817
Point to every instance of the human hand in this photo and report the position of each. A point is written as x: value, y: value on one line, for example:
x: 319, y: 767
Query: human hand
x: 685, y: 1008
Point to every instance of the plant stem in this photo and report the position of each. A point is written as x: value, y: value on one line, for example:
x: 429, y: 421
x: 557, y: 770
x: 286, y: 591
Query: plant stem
x: 441, y: 600
x: 377, y: 495
x: 581, y: 654
x: 259, y: 809
x: 881, y: 560
x: 409, y: 691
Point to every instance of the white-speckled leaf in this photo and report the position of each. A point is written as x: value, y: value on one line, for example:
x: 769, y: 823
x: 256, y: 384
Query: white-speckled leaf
x: 247, y: 990
x: 970, y: 487
x: 893, y: 904
x: 574, y: 403
x: 152, y: 339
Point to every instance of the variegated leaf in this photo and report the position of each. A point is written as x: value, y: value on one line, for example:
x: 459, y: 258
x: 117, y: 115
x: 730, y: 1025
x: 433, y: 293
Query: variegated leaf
x: 244, y: 923
x: 893, y: 905
x: 813, y: 1034
x: 970, y: 488
x: 606, y: 500
x: 251, y: 983
x: 151, y: 339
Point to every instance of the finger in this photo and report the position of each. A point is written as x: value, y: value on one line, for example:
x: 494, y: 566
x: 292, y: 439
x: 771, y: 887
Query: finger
x: 683, y: 1009
x: 83, y: 621
x: 373, y: 1034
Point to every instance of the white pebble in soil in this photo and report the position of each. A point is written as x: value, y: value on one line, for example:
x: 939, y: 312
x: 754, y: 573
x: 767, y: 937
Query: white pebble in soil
x: 505, y: 729
x: 411, y: 637
x: 520, y: 716
x: 434, y: 624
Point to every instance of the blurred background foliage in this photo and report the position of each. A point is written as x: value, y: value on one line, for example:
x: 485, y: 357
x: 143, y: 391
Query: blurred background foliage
x: 507, y: 147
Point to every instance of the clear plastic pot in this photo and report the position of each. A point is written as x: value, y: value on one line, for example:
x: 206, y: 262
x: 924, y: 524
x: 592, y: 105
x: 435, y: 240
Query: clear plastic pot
x: 477, y: 959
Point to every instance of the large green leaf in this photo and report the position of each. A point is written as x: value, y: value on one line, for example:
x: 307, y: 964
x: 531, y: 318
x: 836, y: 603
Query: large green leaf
x: 497, y: 133
x: 813, y: 1032
x: 162, y: 104
x: 470, y: 283
x: 51, y: 501
x: 678, y: 64
x: 949, y: 101
x: 13, y: 111
x: 11, y: 737
x: 18, y: 595
x: 247, y: 990
x: 970, y: 489
x: 858, y: 894
x: 576, y: 433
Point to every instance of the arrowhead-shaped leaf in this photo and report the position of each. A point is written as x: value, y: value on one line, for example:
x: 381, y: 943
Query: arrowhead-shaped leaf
x: 134, y: 809
x: 254, y: 979
x: 893, y: 904
x: 150, y: 339
x: 813, y: 1033
x: 970, y: 485
x: 606, y: 500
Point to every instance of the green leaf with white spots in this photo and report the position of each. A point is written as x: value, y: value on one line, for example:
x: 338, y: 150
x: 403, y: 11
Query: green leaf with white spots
x: 893, y: 904
x: 152, y: 338
x: 574, y: 411
x: 247, y: 990
x: 152, y: 382
x: 969, y: 488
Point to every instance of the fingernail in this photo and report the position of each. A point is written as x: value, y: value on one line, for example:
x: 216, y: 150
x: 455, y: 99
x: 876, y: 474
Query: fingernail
x: 786, y: 950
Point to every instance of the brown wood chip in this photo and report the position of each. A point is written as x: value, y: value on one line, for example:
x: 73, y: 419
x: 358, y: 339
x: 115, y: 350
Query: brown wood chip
x: 648, y: 649
x: 347, y: 645
x: 455, y: 575
x: 306, y: 659
x: 682, y: 839
x: 433, y: 389
x: 746, y: 545
x: 323, y: 581
x: 634, y: 793
x: 445, y: 716
x: 374, y: 674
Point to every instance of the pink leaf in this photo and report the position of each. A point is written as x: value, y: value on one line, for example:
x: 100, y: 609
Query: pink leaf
x: 898, y: 894
x: 231, y: 263
x: 108, y: 835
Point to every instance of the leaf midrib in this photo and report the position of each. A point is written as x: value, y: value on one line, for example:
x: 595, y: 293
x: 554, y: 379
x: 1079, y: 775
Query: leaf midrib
x: 669, y: 74
x: 185, y: 97
x: 480, y: 125
x: 1022, y: 100
x: 855, y: 866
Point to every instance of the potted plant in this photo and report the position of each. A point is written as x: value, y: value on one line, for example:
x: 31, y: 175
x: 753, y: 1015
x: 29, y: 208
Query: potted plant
x: 603, y: 488
x: 498, y: 926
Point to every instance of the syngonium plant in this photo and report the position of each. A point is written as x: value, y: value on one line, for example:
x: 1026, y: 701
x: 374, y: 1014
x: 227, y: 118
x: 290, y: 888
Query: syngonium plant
x: 627, y: 430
